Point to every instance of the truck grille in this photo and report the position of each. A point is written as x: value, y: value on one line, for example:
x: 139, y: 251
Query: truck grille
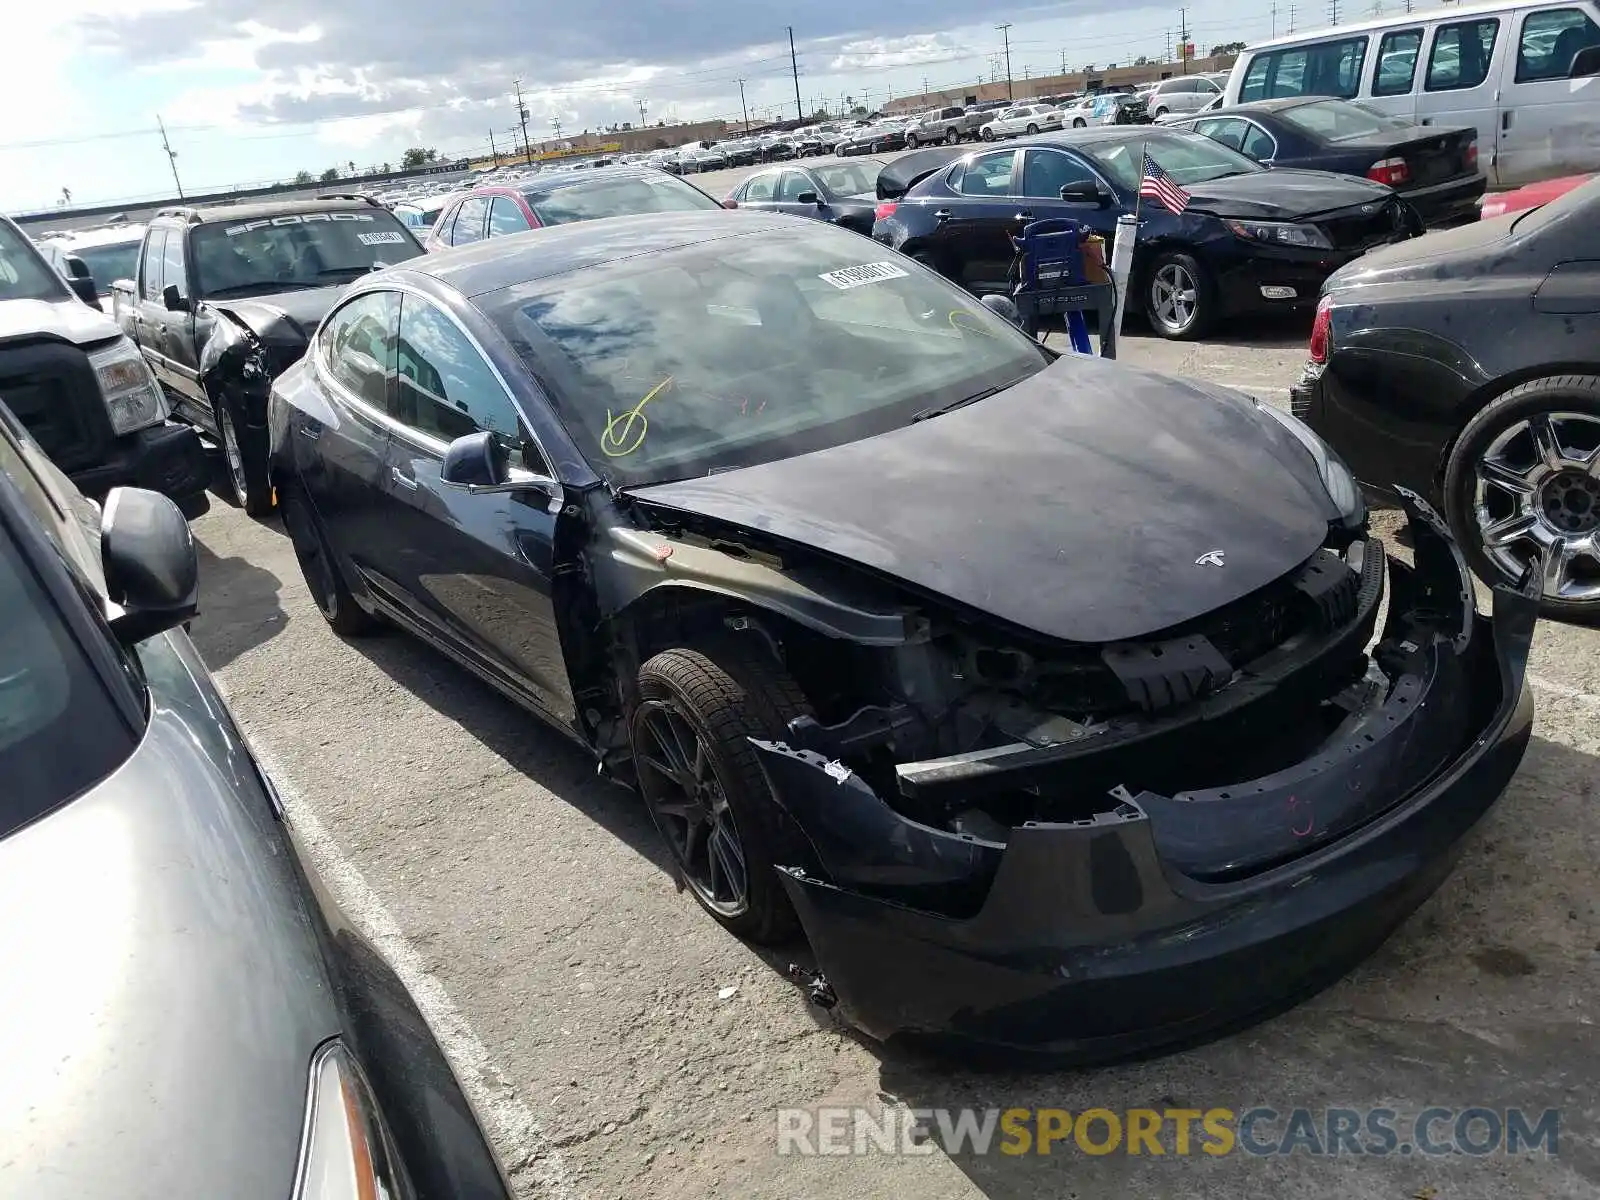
x: 52, y: 390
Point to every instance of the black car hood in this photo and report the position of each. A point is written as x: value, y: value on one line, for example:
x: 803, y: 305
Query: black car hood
x: 284, y: 318
x: 1073, y: 505
x: 163, y: 986
x: 1283, y: 195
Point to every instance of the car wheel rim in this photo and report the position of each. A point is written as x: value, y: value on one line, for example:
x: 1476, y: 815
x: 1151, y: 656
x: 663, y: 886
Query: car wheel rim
x: 1537, y: 503
x: 233, y: 456
x: 690, y: 807
x: 1174, y: 297
x: 951, y: 138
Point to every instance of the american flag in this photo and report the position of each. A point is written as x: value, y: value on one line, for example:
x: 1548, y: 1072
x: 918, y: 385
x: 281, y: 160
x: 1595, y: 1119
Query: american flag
x: 1158, y: 185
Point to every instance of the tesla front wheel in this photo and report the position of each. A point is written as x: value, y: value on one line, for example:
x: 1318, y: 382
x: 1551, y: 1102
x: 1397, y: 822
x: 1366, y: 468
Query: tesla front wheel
x: 1179, y: 298
x: 1522, y: 491
x: 321, y: 572
x: 700, y: 779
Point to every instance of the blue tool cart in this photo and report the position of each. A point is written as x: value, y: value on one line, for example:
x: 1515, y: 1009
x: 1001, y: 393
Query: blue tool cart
x: 1051, y: 280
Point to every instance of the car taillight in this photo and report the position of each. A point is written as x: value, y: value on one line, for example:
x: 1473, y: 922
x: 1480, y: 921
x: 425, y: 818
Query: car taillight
x: 1472, y: 155
x: 730, y: 202
x: 1392, y: 171
x: 1320, y: 330
x: 885, y: 210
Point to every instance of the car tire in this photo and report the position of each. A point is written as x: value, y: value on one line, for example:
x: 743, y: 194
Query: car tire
x: 320, y: 569
x: 1032, y: 129
x: 1562, y: 504
x: 244, y: 463
x: 718, y: 700
x: 911, y: 141
x: 1079, y: 123
x: 1160, y: 112
x: 952, y: 137
x: 1180, y: 300
x: 986, y: 134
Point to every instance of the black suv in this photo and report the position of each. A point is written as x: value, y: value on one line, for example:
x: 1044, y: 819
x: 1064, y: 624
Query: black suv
x: 81, y: 388
x: 227, y: 297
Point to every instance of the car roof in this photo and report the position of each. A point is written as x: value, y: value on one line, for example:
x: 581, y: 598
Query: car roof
x: 1105, y: 133
x: 110, y: 235
x: 272, y: 208
x: 496, y: 263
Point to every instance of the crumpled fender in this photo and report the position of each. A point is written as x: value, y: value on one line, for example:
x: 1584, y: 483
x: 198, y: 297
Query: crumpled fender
x: 234, y: 368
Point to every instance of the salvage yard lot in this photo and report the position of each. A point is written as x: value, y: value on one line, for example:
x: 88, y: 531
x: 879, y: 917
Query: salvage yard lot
x: 588, y: 1003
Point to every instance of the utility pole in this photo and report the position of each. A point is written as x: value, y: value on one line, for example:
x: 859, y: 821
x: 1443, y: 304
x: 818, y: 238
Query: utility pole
x: 1274, y: 20
x: 794, y: 66
x: 1063, y: 61
x: 924, y: 89
x: 1291, y: 18
x: 642, y: 106
x: 1166, y: 53
x: 172, y: 155
x: 1005, y: 31
x: 746, y: 107
x: 1183, y: 38
x: 1377, y: 8
x: 1333, y: 12
x: 555, y: 123
x: 522, y: 115
x: 492, y: 151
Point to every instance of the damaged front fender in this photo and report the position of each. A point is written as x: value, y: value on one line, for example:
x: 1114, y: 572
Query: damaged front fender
x: 1164, y: 919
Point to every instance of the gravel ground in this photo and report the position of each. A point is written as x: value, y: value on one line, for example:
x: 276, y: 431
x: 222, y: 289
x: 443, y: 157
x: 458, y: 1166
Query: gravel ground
x: 622, y: 1045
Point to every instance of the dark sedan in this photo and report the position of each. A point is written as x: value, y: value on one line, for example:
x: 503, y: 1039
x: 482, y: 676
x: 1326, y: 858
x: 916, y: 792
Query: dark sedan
x: 1250, y: 240
x: 873, y: 139
x: 905, y: 627
x: 839, y: 192
x: 187, y: 1013
x: 1466, y: 366
x: 1433, y: 167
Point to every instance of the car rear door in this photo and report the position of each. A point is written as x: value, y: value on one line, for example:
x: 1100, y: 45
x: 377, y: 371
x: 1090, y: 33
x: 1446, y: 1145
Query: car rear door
x: 759, y: 191
x: 150, y: 313
x: 182, y: 348
x: 1549, y: 123
x: 984, y: 214
x: 477, y: 571
x: 1461, y: 76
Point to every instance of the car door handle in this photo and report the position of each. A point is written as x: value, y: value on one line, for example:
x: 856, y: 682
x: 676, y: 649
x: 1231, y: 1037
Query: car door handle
x: 1025, y: 215
x: 309, y: 432
x: 1505, y: 119
x: 942, y: 214
x: 403, y: 479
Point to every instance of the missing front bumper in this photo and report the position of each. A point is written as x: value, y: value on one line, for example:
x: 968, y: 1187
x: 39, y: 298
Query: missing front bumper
x: 1168, y: 919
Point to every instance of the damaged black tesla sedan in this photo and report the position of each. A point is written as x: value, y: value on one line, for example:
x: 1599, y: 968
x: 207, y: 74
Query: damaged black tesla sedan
x: 1049, y: 697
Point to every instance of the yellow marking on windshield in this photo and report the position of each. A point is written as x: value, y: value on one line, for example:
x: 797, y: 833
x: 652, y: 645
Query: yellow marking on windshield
x: 622, y: 436
x: 959, y: 327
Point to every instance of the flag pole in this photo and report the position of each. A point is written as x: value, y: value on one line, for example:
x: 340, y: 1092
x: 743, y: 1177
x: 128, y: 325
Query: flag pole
x: 1144, y: 153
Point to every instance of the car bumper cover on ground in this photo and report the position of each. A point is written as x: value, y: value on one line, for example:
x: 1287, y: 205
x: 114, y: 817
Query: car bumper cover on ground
x: 1169, y: 920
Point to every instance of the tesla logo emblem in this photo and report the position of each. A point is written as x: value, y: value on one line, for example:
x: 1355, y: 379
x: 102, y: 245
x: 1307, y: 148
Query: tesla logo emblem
x: 1211, y: 558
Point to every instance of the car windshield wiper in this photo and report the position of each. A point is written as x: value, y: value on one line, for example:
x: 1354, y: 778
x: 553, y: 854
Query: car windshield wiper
x: 367, y: 270
x: 939, y: 411
x: 261, y: 285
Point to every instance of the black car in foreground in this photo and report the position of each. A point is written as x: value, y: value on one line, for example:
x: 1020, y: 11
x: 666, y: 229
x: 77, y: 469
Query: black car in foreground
x: 1466, y: 367
x: 1434, y: 168
x: 1251, y: 239
x: 187, y: 1013
x: 1034, y: 687
x: 842, y: 193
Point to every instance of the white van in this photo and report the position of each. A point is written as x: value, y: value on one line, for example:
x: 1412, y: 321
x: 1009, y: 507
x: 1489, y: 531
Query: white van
x: 1506, y: 68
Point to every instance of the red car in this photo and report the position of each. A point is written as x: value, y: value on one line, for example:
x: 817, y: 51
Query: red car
x: 1498, y: 204
x: 559, y: 197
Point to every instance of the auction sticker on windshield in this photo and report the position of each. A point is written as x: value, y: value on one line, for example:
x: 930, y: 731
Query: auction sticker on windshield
x: 388, y: 237
x: 846, y: 278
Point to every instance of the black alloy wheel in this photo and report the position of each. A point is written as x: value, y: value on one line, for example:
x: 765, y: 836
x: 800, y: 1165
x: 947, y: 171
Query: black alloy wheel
x: 701, y: 781
x: 1522, y: 492
x: 323, y: 577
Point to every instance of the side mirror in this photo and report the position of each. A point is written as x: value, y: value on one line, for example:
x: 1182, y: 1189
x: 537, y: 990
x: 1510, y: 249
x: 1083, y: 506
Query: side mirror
x: 808, y: 198
x: 84, y: 288
x: 1585, y: 62
x: 173, y: 301
x: 1085, y: 192
x: 1003, y: 306
x: 152, y: 571
x: 477, y: 463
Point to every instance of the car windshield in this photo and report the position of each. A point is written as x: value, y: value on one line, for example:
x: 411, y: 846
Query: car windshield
x: 316, y: 249
x: 1186, y: 157
x: 849, y: 179
x: 24, y: 275
x: 1340, y: 121
x: 110, y: 263
x: 616, y: 197
x: 751, y: 348
x: 59, y: 729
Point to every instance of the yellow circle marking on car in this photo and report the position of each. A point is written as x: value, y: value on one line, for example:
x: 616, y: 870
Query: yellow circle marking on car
x: 958, y: 319
x: 624, y: 433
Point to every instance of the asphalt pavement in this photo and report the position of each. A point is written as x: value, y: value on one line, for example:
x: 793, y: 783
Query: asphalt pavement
x: 618, y: 1043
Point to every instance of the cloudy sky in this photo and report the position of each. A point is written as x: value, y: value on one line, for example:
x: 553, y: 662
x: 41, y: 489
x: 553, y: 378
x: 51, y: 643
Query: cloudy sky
x: 254, y: 92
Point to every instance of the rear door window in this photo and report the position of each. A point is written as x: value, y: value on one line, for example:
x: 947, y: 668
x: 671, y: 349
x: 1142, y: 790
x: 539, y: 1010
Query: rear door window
x: 989, y: 175
x: 505, y: 217
x: 469, y: 221
x: 1461, y: 54
x: 1230, y: 131
x: 1323, y: 69
x: 1258, y: 143
x: 1397, y: 62
x: 1549, y: 41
